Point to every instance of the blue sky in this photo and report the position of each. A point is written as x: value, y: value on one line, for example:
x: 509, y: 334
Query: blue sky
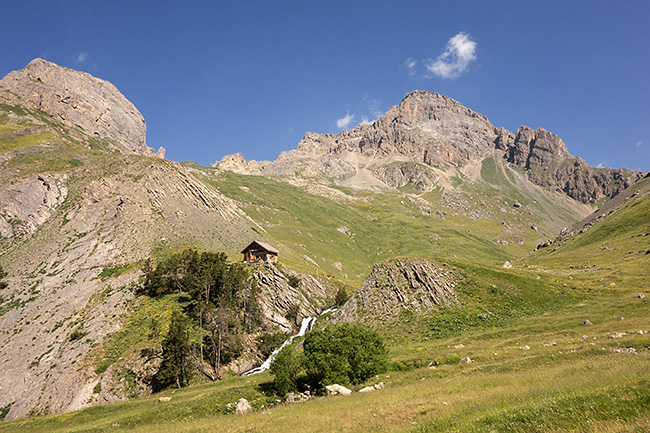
x: 213, y: 78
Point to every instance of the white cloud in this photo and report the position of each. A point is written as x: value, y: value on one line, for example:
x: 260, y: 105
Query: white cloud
x: 639, y: 143
x: 602, y: 164
x: 345, y: 122
x: 410, y: 65
x: 461, y: 50
x: 82, y: 57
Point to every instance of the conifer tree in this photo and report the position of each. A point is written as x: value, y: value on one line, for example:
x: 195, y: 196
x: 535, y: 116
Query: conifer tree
x: 175, y: 368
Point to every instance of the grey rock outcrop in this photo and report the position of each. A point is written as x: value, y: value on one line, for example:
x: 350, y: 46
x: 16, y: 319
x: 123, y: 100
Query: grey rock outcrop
x: 398, y: 175
x: 336, y: 389
x: 279, y: 297
x: 414, y: 284
x: 536, y: 148
x: 29, y: 203
x: 78, y: 100
x: 237, y: 164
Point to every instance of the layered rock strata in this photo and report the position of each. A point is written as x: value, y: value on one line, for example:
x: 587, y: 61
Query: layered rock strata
x: 415, y: 284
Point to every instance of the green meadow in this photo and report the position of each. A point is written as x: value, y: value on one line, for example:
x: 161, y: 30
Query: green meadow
x: 536, y: 367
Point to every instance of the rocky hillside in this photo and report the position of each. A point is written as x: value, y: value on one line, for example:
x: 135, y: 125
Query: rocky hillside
x: 427, y: 130
x: 70, y: 261
x: 93, y: 108
x: 75, y: 224
x: 414, y: 284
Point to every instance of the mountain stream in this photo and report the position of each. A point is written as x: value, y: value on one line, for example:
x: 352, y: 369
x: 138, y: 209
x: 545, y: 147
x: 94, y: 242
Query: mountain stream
x: 307, y: 324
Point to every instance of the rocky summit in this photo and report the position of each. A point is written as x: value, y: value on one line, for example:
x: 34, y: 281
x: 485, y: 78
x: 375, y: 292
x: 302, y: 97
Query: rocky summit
x: 430, y: 131
x: 80, y: 100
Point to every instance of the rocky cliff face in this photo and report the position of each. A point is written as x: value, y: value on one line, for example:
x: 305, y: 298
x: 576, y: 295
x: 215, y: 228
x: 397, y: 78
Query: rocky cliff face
x: 548, y: 163
x: 427, y: 130
x: 81, y: 100
x: 425, y: 127
x: 27, y: 204
x: 414, y: 284
x: 279, y: 297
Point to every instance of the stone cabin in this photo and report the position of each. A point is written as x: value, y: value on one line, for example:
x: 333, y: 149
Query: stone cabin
x: 260, y: 252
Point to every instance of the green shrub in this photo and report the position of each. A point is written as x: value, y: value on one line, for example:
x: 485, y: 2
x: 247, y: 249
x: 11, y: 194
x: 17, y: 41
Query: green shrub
x: 286, y: 367
x: 341, y: 297
x: 77, y: 334
x: 3, y: 275
x: 5, y: 410
x: 294, y: 281
x: 344, y: 354
x: 292, y: 314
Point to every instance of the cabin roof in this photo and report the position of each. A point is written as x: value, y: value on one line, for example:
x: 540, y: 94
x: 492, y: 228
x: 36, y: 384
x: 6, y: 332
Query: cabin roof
x: 263, y: 245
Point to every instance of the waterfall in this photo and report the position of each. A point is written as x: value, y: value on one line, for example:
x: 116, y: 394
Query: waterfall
x: 307, y: 324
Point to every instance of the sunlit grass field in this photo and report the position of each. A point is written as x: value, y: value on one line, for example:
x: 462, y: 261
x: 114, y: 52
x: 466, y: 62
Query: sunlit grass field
x: 544, y: 372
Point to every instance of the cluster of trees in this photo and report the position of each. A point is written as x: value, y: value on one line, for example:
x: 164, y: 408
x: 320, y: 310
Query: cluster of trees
x: 218, y: 299
x: 344, y: 354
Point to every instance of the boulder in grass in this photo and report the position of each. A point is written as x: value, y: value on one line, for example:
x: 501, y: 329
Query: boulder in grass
x: 466, y: 360
x: 243, y: 407
x: 337, y: 389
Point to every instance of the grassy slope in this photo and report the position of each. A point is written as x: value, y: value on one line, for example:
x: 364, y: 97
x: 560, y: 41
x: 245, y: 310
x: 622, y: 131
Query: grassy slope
x: 614, y: 253
x: 563, y: 382
x: 476, y: 216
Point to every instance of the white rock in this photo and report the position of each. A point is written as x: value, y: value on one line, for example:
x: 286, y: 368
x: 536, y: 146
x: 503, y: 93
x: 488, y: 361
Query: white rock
x: 164, y: 399
x: 367, y: 389
x: 243, y: 406
x: 337, y: 389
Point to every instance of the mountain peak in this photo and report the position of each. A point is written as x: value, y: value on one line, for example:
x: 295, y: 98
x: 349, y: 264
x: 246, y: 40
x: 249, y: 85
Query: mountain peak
x: 79, y: 100
x: 430, y: 129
